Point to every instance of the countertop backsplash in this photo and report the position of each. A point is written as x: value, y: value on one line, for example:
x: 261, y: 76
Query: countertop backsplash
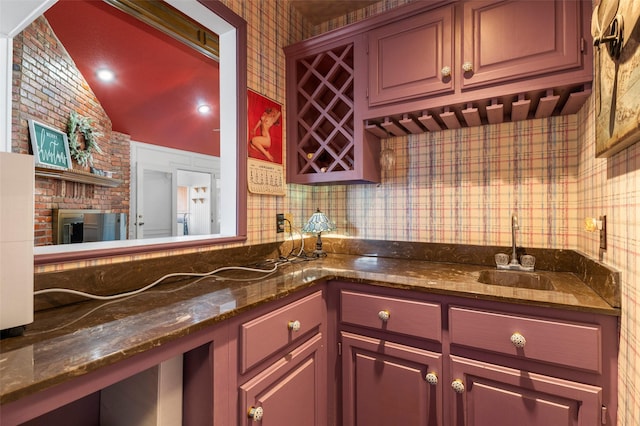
x: 121, y: 277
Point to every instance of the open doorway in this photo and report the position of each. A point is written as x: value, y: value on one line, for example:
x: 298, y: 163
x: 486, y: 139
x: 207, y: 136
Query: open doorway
x: 196, y: 203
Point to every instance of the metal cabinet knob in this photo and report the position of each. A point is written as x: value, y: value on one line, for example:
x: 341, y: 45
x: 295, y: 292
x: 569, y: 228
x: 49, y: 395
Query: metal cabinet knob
x: 518, y: 340
x: 384, y: 315
x: 294, y: 325
x: 457, y: 386
x: 256, y: 413
x: 431, y: 378
x: 445, y: 71
x: 467, y: 67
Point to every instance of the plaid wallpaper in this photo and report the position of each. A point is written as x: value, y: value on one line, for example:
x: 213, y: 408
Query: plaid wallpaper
x: 611, y: 186
x: 461, y: 186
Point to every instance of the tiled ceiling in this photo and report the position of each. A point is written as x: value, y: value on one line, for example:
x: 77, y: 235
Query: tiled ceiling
x: 319, y: 11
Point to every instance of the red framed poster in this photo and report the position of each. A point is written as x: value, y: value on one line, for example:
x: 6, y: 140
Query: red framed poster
x: 265, y: 128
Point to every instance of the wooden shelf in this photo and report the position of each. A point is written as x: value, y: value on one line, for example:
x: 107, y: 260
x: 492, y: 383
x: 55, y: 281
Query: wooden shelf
x: 77, y: 176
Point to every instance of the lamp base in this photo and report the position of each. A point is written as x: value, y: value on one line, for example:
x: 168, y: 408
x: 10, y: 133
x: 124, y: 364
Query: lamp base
x: 318, y: 252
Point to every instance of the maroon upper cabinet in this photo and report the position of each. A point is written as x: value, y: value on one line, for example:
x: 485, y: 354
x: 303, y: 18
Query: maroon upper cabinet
x: 326, y: 141
x: 517, y: 40
x: 474, y: 54
x: 429, y: 66
x: 411, y: 58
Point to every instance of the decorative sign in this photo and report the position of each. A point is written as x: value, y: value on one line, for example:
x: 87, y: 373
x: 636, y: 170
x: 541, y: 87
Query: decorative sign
x: 266, y: 178
x: 50, y: 146
x: 617, y: 75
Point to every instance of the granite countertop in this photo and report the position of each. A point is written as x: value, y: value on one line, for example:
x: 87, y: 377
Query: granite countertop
x: 72, y: 340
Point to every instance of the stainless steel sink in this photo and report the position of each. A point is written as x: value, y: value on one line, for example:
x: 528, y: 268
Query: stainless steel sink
x: 518, y: 279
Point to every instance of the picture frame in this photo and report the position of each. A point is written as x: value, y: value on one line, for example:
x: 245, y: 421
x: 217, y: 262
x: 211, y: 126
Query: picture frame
x: 617, y: 81
x: 50, y: 146
x: 265, y: 124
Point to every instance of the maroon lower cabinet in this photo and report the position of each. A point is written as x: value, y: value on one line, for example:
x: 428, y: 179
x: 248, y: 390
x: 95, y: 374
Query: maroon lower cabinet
x: 278, y: 358
x: 289, y: 392
x: 352, y: 354
x: 386, y: 383
x: 411, y: 358
x: 488, y: 394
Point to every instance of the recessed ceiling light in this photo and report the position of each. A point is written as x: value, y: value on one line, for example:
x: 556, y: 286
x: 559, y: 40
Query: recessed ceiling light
x: 105, y: 74
x: 204, y: 109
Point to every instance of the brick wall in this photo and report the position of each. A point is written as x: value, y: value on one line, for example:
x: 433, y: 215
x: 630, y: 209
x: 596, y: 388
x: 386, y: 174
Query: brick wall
x: 47, y: 86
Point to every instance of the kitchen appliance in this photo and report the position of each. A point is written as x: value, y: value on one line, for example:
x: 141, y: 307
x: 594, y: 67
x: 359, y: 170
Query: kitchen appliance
x: 17, y: 178
x: 82, y: 226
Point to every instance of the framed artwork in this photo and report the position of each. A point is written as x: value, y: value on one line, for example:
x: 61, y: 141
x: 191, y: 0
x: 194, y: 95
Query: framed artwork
x: 617, y: 75
x: 265, y: 128
x: 50, y: 146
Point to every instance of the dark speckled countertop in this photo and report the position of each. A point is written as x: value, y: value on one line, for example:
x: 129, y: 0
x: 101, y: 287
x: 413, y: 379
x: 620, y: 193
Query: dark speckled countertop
x: 68, y: 341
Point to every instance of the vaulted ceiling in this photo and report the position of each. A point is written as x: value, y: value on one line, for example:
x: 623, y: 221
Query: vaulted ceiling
x: 159, y: 82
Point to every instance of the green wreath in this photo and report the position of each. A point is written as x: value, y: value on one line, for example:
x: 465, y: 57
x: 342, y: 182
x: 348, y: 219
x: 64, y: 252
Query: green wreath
x: 79, y: 124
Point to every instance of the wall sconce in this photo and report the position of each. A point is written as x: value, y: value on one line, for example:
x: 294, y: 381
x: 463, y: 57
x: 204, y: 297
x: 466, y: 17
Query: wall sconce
x: 592, y: 224
x: 317, y: 224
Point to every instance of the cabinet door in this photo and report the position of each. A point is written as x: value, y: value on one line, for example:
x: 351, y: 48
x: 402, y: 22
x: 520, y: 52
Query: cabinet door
x: 291, y: 392
x: 488, y: 394
x: 385, y: 383
x: 406, y: 58
x: 509, y: 40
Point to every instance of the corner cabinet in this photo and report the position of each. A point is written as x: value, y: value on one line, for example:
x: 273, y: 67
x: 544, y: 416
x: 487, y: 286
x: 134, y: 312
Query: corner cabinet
x: 391, y: 360
x: 326, y: 141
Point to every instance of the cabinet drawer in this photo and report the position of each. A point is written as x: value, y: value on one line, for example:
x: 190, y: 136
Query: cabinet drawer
x: 410, y: 317
x: 271, y: 332
x: 565, y: 343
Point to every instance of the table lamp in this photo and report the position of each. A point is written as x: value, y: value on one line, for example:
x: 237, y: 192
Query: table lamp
x: 317, y: 224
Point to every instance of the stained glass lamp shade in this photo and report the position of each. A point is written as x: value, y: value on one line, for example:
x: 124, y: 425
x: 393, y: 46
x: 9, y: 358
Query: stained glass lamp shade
x: 317, y: 224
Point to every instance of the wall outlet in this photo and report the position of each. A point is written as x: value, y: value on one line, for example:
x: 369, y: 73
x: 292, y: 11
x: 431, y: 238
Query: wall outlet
x: 279, y: 222
x: 603, y: 232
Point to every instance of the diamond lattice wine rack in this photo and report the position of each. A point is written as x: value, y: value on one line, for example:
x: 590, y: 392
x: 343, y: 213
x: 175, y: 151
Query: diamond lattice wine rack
x: 324, y: 143
x: 325, y: 117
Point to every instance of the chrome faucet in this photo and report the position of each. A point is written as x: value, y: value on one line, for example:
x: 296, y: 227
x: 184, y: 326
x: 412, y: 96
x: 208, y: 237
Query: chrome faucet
x: 502, y: 260
x: 514, y: 228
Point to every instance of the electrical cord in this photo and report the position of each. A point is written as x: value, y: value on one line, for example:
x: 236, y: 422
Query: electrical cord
x: 292, y: 239
x: 301, y: 256
x: 105, y: 304
x: 156, y: 282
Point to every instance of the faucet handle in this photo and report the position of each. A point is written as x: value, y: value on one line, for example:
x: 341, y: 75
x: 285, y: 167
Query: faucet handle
x: 528, y: 261
x: 514, y: 221
x: 502, y: 259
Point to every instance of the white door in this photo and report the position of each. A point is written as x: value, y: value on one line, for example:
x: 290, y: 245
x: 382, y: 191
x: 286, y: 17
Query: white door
x: 155, y: 203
